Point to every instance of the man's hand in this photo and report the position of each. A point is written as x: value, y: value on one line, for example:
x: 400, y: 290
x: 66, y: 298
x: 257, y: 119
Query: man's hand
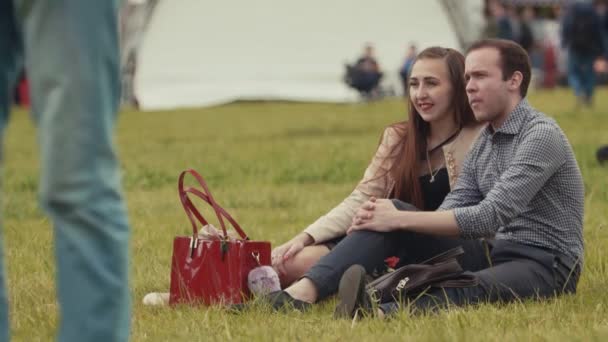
x: 376, y: 214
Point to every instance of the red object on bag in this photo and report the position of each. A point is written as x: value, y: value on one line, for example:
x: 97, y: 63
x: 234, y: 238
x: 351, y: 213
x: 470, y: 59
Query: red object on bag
x: 391, y: 262
x: 212, y: 271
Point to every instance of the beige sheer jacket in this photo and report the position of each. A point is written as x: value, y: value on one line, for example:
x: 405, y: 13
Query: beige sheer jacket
x: 336, y: 221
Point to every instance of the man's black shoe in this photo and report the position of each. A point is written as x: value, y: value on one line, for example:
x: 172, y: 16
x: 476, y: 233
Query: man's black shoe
x: 352, y: 294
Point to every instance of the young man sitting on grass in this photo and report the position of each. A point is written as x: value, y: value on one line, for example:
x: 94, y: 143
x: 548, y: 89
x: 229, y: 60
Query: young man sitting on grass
x: 520, y: 188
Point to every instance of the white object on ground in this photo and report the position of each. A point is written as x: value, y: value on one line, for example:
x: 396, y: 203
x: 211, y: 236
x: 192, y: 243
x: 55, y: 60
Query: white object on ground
x: 156, y: 298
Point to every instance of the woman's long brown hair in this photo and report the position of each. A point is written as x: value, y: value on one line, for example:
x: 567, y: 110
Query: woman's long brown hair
x: 407, y: 154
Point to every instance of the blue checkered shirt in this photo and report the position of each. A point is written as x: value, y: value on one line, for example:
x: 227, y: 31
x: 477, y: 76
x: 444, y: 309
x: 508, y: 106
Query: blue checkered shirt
x: 521, y: 183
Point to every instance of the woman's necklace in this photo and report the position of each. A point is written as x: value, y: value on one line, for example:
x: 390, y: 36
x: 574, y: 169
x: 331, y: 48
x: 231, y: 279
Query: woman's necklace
x: 428, y: 162
x: 428, y: 157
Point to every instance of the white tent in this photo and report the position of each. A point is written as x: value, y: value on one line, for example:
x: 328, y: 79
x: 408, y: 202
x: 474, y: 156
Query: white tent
x: 200, y: 53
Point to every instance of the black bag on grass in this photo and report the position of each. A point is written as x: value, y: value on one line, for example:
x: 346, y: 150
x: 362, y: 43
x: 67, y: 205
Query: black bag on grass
x: 442, y: 270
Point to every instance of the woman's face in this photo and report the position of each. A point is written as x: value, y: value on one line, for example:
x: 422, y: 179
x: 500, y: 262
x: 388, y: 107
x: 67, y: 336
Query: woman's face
x: 431, y: 89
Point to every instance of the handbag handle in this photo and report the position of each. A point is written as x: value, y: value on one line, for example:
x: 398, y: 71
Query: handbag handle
x: 206, y: 196
x: 223, y: 212
x: 445, y: 256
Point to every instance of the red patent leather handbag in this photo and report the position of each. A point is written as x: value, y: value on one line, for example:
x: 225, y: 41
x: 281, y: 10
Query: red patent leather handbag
x: 212, y: 270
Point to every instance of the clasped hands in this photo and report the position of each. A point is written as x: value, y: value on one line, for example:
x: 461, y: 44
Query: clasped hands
x: 376, y: 214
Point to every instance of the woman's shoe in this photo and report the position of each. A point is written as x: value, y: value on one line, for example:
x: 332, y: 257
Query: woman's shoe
x: 278, y: 301
x: 281, y: 300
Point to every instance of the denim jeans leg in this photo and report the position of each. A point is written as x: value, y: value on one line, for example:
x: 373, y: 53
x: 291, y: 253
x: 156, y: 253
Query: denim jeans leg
x: 366, y: 248
x: 588, y: 79
x: 10, y: 60
x: 574, y: 74
x: 73, y: 63
x: 581, y: 76
x: 4, y: 321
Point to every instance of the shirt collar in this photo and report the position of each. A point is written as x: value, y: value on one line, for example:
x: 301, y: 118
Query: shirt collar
x: 515, y: 120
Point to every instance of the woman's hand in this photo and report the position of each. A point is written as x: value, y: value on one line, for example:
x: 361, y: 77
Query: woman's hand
x: 287, y: 250
x: 377, y: 215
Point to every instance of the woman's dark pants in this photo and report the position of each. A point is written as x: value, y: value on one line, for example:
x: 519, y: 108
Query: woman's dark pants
x: 506, y: 271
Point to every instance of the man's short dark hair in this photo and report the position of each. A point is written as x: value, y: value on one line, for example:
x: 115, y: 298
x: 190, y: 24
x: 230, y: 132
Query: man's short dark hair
x: 512, y: 58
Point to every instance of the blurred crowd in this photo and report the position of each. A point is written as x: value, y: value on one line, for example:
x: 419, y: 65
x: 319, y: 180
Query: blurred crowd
x: 536, y: 29
x: 567, y: 42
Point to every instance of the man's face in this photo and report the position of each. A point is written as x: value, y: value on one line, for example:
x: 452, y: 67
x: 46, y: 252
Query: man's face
x: 487, y: 92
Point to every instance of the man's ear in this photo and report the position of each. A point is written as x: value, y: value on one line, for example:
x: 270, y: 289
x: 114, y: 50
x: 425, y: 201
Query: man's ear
x: 515, y: 81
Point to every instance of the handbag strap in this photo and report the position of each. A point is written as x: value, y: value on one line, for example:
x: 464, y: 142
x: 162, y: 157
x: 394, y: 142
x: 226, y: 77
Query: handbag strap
x: 223, y: 212
x: 206, y: 196
x: 445, y: 256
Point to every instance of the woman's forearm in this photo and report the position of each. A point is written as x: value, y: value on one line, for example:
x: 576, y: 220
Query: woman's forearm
x: 304, y: 238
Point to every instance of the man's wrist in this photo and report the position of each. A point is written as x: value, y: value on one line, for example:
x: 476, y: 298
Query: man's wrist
x: 403, y: 220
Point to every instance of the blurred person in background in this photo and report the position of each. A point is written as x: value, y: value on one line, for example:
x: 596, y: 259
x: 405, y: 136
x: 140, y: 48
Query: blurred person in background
x: 72, y: 62
x: 581, y: 36
x: 365, y: 74
x: 498, y: 22
x: 410, y: 57
x: 531, y: 40
x: 513, y: 14
x: 601, y: 8
x: 601, y: 66
x: 526, y: 36
x: 135, y: 16
x: 367, y: 62
x: 550, y: 64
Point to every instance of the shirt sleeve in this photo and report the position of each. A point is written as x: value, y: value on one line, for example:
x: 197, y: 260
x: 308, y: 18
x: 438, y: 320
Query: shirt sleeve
x: 540, y: 154
x: 336, y: 221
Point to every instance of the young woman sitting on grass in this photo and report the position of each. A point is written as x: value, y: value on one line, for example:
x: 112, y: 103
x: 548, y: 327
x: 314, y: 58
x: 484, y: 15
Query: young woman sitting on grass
x: 417, y: 161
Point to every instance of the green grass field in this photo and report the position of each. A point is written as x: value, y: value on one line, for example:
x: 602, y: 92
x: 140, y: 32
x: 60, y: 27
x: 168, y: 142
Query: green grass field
x: 277, y: 167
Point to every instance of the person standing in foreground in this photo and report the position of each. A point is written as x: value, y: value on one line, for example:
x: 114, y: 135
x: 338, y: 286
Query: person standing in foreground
x: 71, y: 49
x: 520, y: 188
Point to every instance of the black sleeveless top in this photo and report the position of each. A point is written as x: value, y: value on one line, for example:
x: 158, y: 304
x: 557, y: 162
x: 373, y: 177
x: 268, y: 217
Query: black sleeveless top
x: 434, y: 193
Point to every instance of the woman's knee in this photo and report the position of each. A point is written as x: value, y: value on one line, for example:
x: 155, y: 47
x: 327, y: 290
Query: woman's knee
x: 299, y: 264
